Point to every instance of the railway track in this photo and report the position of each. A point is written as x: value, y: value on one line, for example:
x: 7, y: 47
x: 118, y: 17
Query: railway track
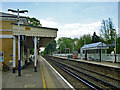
x: 90, y: 81
x: 86, y: 69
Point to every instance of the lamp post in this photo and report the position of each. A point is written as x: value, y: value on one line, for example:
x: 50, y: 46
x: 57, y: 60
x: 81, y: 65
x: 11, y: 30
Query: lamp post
x: 19, y: 61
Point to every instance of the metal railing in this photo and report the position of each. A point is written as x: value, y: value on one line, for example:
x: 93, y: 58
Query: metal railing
x: 105, y: 57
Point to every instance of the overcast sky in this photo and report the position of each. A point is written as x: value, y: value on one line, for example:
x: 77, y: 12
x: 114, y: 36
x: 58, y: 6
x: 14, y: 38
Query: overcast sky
x: 73, y: 19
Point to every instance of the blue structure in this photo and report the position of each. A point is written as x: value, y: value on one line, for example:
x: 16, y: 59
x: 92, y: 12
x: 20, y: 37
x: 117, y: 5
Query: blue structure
x: 94, y: 46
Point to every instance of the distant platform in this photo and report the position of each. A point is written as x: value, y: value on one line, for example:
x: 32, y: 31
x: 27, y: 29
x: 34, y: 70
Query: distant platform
x: 106, y: 64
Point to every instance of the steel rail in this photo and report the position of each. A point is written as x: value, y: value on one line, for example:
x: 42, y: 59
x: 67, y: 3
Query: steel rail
x: 105, y: 83
x: 92, y: 71
x: 85, y: 81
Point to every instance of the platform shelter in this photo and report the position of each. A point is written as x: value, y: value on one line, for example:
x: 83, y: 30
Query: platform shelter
x: 94, y: 49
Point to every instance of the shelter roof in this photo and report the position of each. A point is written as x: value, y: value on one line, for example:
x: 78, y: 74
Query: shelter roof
x: 98, y: 45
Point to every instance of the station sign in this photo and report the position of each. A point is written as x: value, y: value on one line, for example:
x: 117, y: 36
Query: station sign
x: 27, y: 28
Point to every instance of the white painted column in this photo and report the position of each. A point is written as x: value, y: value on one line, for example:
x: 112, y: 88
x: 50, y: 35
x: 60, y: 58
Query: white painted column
x: 35, y: 53
x: 14, y: 54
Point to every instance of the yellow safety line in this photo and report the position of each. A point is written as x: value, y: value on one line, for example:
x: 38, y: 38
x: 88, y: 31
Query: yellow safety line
x: 43, y: 78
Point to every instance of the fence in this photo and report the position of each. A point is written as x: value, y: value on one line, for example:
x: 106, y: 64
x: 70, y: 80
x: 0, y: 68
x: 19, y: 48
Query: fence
x: 105, y: 57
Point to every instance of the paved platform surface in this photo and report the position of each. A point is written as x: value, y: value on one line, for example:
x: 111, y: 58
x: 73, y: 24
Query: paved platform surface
x: 108, y: 64
x: 0, y: 79
x: 45, y: 77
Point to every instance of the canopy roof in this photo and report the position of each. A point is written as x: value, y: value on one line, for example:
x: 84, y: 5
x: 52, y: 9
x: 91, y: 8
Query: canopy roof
x: 99, y: 45
x: 45, y: 34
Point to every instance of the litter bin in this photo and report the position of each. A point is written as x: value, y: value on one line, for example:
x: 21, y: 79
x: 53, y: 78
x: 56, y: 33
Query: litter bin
x: 10, y: 65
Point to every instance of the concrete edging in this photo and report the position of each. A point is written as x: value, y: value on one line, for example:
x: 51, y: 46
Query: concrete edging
x: 60, y: 75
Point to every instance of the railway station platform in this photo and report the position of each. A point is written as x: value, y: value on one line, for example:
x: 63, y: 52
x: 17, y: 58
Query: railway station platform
x: 45, y: 77
x: 106, y: 64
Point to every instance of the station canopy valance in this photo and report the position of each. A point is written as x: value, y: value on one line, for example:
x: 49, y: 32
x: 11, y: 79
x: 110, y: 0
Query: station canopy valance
x: 29, y: 30
x: 99, y: 45
x: 45, y: 34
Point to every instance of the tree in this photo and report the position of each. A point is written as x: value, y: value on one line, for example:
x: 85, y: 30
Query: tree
x: 118, y: 45
x: 79, y: 44
x: 85, y: 39
x: 108, y: 33
x: 95, y: 38
x: 33, y: 21
x: 65, y: 42
x: 107, y: 30
x: 51, y: 47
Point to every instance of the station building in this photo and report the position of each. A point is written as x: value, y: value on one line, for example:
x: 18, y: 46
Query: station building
x: 9, y: 38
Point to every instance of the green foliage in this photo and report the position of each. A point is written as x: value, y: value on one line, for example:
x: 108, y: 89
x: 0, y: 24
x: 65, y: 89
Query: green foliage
x: 118, y: 45
x: 107, y: 30
x: 95, y: 38
x: 43, y: 53
x: 33, y: 21
x: 108, y: 33
x: 85, y: 39
x: 32, y: 51
x: 51, y: 47
x: 65, y: 42
x: 75, y: 43
x: 79, y: 44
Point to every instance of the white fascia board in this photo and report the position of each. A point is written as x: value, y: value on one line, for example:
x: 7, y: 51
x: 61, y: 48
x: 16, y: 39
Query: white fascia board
x: 6, y: 36
x: 95, y: 48
x: 5, y: 30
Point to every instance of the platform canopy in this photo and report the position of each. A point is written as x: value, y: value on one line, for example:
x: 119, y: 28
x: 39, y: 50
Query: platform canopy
x: 99, y: 45
x: 44, y: 34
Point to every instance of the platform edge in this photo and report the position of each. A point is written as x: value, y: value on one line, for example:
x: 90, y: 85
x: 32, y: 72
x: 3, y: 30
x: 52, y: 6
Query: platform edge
x: 59, y: 74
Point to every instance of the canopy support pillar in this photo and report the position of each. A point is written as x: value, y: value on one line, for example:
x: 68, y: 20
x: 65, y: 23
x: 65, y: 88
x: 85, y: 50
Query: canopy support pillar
x: 14, y: 54
x: 100, y: 51
x: 85, y: 54
x: 35, y: 53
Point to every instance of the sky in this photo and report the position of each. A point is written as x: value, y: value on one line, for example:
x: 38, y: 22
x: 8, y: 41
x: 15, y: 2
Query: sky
x: 73, y: 19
